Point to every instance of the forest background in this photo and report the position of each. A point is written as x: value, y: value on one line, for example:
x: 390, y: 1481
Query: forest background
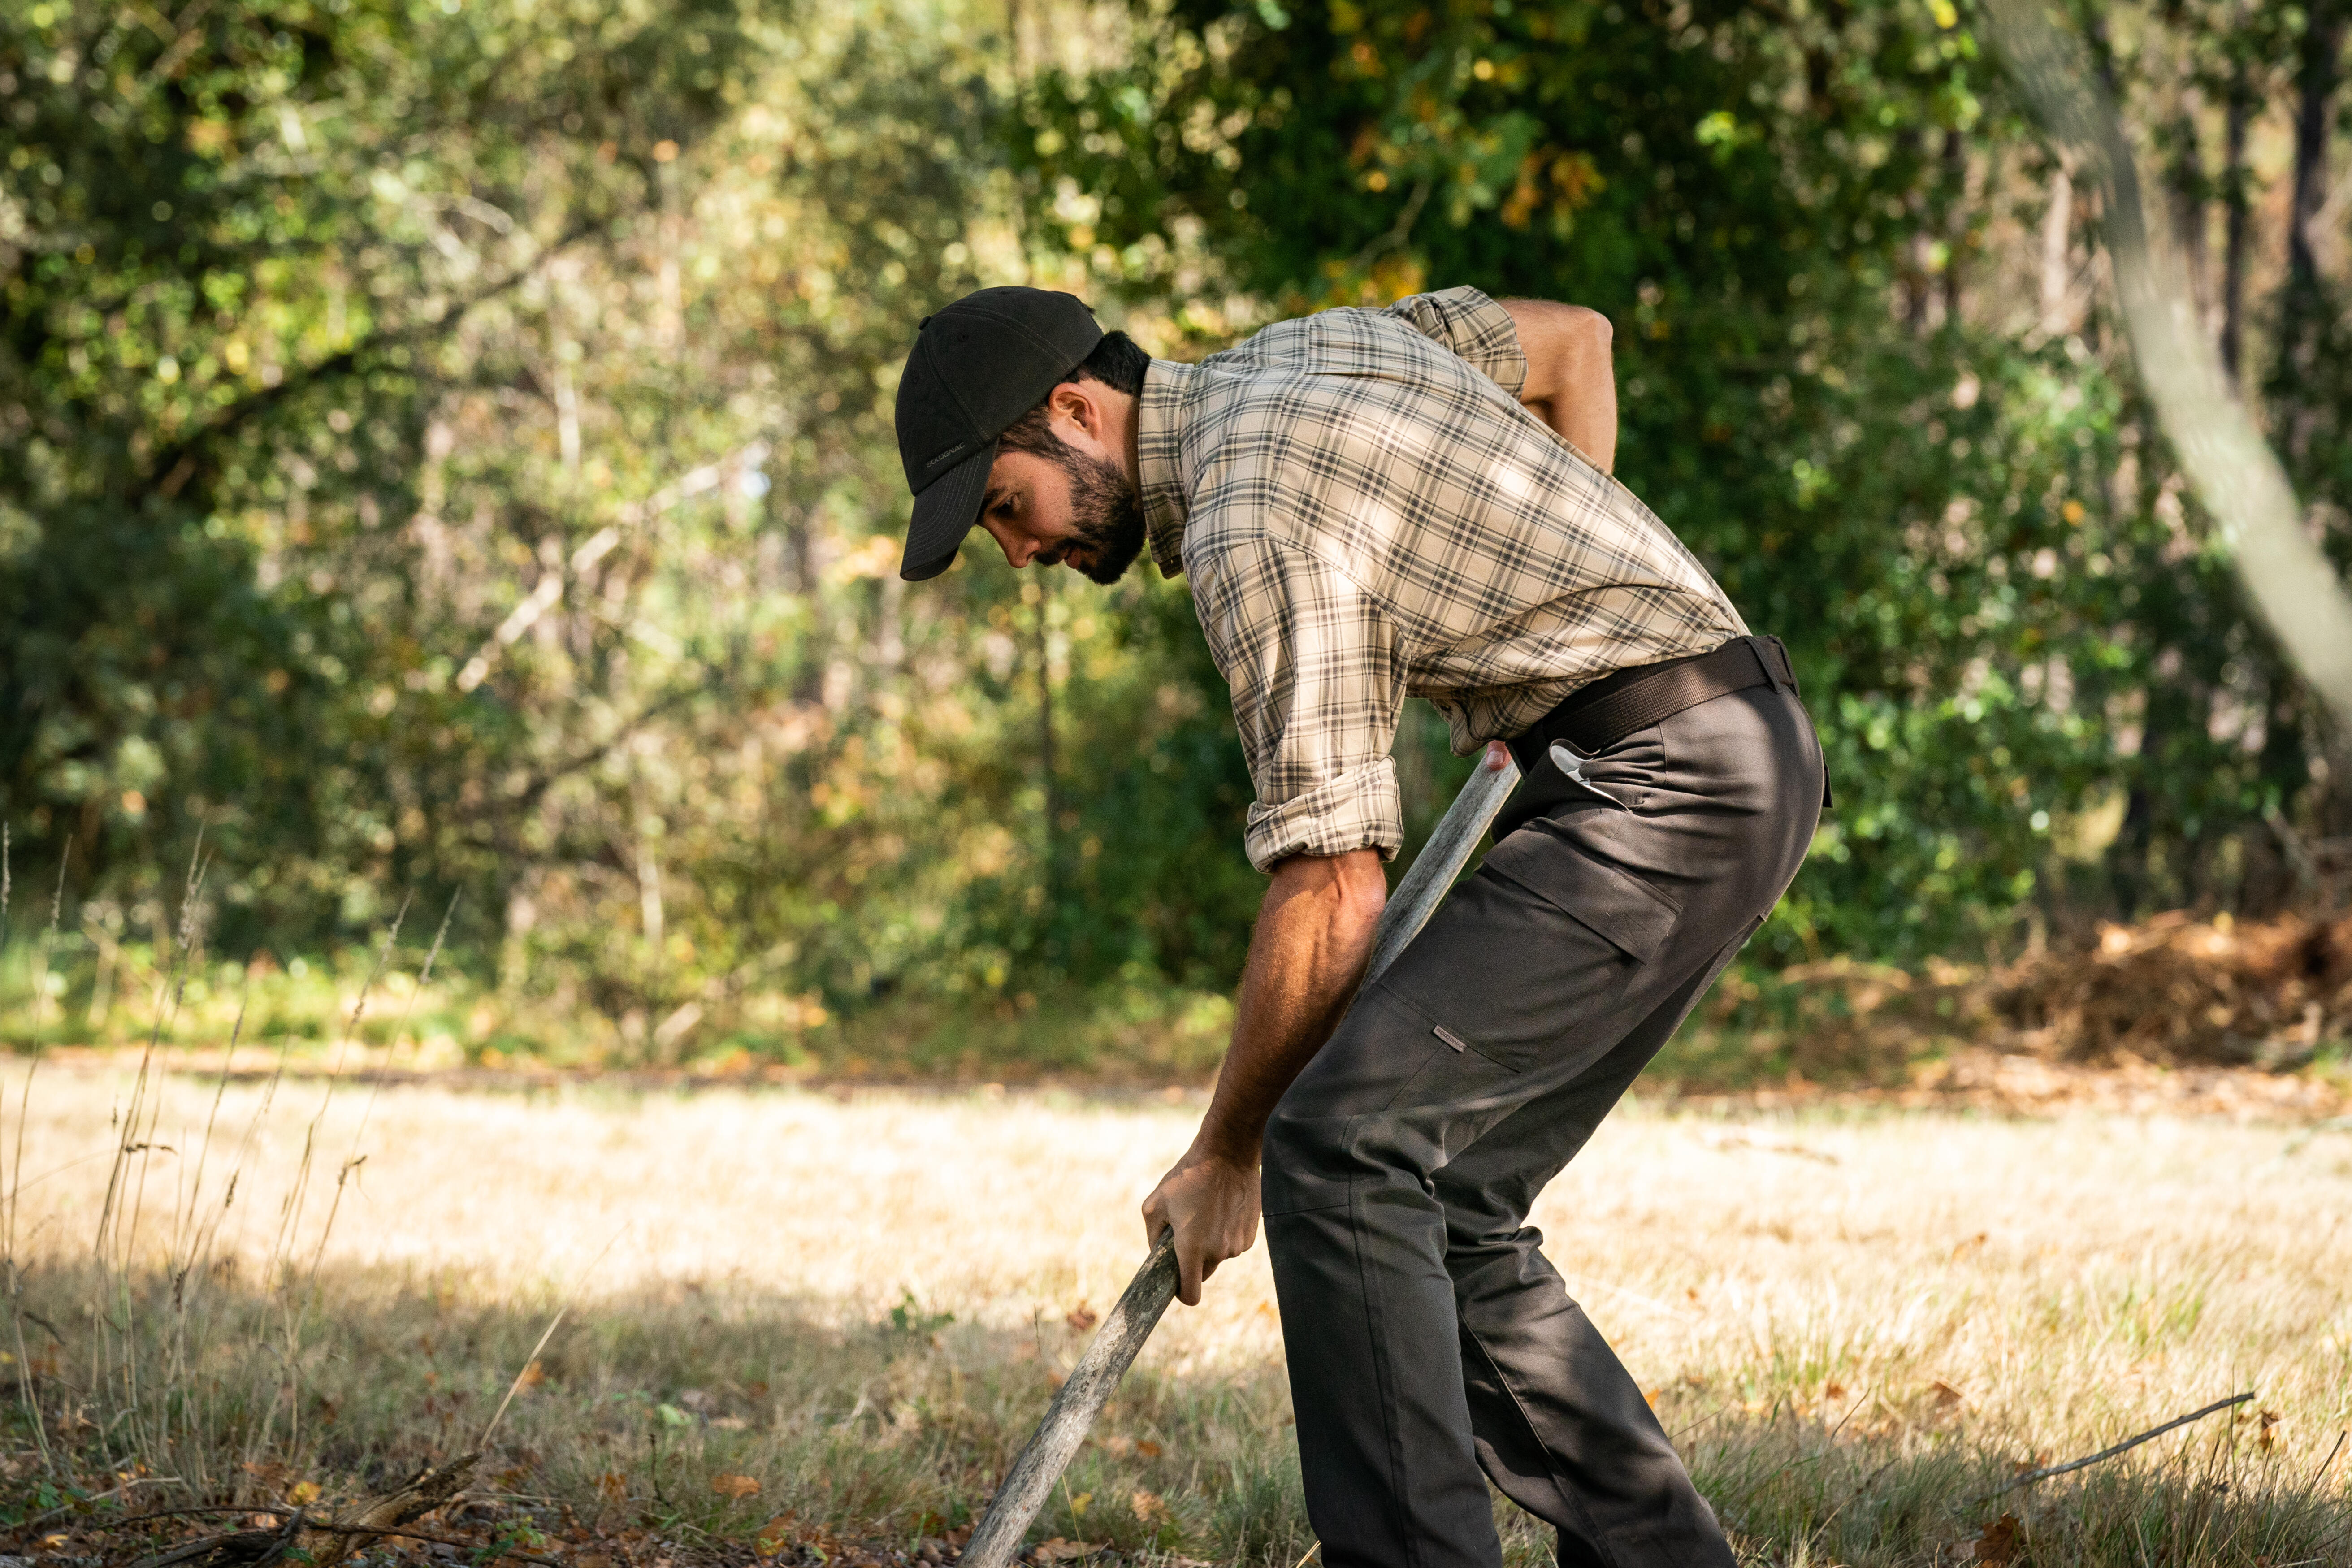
x: 446, y: 480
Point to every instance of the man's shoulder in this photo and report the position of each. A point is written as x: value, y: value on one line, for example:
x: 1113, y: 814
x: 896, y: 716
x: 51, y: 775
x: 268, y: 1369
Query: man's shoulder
x: 1343, y: 340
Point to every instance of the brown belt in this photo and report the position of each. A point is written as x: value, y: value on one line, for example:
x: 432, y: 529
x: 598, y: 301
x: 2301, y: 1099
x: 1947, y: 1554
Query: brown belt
x: 1594, y: 718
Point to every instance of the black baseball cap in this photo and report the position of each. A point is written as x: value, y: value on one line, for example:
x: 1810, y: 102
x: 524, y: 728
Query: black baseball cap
x: 977, y: 367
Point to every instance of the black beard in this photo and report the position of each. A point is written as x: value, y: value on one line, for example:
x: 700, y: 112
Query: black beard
x: 1107, y: 509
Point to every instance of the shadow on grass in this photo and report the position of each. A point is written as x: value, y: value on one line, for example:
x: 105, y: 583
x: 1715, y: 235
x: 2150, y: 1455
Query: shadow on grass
x: 866, y: 1436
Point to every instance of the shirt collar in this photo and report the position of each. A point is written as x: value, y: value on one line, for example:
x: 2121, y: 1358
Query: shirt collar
x: 1159, y: 428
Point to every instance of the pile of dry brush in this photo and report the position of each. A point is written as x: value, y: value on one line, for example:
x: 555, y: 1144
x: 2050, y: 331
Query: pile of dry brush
x: 2173, y: 991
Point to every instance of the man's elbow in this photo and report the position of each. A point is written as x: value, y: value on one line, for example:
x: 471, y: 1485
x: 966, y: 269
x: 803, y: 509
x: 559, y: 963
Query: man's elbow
x: 1585, y: 332
x: 1353, y: 886
x: 1367, y: 881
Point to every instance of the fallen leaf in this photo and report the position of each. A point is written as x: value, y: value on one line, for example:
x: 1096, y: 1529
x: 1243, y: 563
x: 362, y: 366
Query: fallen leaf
x: 2002, y: 1541
x: 530, y: 1377
x: 1834, y: 1392
x: 774, y: 1536
x: 1946, y: 1394
x: 1118, y: 1447
x: 1081, y: 1318
x: 731, y: 1424
x: 2270, y: 1418
x: 1060, y: 1551
x: 304, y: 1492
x: 1150, y: 1508
x: 1149, y: 1451
x: 735, y: 1486
x: 612, y: 1487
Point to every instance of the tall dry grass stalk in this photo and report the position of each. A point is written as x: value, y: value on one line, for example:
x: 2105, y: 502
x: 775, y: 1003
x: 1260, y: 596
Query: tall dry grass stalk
x: 162, y: 1386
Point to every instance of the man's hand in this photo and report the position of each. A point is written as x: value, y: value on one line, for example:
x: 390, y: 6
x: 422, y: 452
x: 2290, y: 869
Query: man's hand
x: 1314, y: 934
x: 1212, y: 1203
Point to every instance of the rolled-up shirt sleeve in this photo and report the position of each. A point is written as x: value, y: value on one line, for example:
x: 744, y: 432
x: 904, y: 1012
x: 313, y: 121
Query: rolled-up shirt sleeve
x: 1316, y: 683
x: 1474, y: 327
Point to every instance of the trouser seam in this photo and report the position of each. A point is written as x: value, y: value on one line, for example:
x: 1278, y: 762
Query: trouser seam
x: 1392, y: 1439
x: 1561, y: 1483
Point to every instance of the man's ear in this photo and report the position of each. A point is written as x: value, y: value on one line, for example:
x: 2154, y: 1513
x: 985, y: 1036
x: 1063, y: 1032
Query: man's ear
x: 1071, y: 401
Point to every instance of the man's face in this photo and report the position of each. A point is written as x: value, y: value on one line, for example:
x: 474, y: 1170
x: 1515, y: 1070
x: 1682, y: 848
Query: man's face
x: 1075, y: 509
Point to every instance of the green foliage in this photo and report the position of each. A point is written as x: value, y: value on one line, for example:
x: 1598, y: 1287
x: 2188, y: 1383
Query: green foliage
x: 1961, y: 522
x: 447, y: 450
x: 481, y: 477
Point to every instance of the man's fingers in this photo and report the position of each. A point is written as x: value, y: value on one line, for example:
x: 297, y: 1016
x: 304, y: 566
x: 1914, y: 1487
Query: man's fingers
x: 1188, y: 1273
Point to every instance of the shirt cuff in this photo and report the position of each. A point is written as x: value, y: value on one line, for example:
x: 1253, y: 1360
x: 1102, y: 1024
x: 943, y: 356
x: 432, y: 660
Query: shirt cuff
x: 1358, y: 810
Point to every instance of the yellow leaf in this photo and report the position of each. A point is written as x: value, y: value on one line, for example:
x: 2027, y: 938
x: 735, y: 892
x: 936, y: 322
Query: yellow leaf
x: 303, y: 1492
x: 735, y: 1486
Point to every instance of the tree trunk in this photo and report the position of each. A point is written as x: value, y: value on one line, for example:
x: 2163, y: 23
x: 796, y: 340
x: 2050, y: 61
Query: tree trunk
x: 2057, y: 247
x: 2317, y: 71
x: 1956, y: 223
x: 2233, y: 246
x: 2185, y: 187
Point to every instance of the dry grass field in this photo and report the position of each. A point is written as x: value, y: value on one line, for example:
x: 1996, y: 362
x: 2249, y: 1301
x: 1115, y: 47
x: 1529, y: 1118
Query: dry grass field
x: 814, y: 1328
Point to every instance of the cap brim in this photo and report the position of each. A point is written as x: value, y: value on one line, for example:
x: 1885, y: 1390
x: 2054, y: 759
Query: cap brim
x: 944, y: 513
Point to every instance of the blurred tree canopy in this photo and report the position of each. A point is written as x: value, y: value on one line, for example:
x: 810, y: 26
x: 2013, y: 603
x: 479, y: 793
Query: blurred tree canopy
x: 444, y: 448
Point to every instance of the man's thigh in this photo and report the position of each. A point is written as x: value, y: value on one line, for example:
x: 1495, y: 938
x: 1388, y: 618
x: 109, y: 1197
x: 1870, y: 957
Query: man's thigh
x: 1503, y: 998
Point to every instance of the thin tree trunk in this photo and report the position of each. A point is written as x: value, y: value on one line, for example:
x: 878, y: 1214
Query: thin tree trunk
x: 2186, y: 190
x: 1955, y: 222
x: 2233, y: 245
x: 1918, y: 263
x: 2316, y: 75
x: 2057, y: 247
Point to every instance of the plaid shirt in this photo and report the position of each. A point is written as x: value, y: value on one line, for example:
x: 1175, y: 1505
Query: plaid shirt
x: 1366, y: 513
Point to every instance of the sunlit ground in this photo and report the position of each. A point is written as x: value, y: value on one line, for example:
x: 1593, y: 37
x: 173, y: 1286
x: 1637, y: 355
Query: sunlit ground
x: 1857, y: 1324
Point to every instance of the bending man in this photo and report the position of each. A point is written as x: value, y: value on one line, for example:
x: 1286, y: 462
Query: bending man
x: 1372, y: 504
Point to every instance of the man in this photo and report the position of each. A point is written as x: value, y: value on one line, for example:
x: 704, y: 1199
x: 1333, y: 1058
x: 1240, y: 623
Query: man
x: 1369, y: 505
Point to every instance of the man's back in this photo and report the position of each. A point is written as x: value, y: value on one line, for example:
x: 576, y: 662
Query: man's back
x: 1366, y: 511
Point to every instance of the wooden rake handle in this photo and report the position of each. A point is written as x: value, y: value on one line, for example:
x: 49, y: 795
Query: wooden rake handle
x: 1075, y: 1404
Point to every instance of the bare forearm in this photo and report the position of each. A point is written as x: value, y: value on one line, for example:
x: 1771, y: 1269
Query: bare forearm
x: 1314, y: 936
x: 1587, y: 419
x: 1306, y: 956
x: 1571, y: 381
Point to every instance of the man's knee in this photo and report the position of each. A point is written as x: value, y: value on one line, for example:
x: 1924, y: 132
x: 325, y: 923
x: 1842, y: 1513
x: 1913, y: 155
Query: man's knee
x: 1303, y: 1164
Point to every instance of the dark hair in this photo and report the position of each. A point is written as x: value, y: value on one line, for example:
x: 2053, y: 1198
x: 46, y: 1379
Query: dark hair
x: 1118, y: 362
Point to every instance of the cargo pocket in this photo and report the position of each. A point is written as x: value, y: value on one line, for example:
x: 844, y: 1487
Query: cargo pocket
x: 1614, y: 904
x: 1543, y: 958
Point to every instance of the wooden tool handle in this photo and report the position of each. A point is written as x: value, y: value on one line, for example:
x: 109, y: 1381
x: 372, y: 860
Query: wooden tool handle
x: 1075, y: 1404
